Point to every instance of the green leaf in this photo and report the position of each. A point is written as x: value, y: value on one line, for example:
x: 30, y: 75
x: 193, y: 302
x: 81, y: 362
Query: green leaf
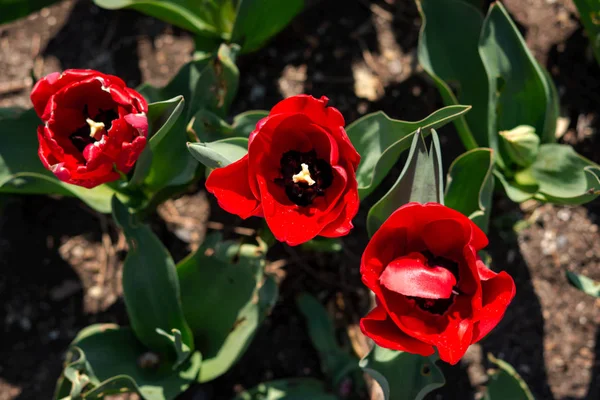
x: 421, y: 181
x: 209, y: 127
x: 288, y: 389
x: 212, y: 18
x: 112, y: 359
x: 505, y: 383
x: 449, y: 54
x: 207, y: 83
x: 589, y: 12
x: 524, y: 93
x: 471, y: 185
x: 227, y: 277
x: 15, y: 9
x: 258, y: 20
x: 584, y: 284
x: 323, y: 245
x: 181, y: 349
x: 245, y: 123
x: 164, y: 113
x: 336, y: 363
x: 21, y: 171
x: 402, y: 375
x: 381, y: 140
x: 150, y: 285
x: 220, y: 153
x: 565, y: 177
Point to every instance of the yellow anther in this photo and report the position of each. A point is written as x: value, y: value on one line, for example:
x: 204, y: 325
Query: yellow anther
x: 96, y: 128
x: 304, y: 176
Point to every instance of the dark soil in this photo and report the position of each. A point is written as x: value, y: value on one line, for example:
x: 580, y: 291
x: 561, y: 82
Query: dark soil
x: 60, y: 261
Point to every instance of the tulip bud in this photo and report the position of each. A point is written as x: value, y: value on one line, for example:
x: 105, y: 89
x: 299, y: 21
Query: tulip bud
x: 521, y: 144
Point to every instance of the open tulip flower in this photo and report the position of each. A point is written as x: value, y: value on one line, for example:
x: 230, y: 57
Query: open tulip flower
x: 95, y: 127
x: 431, y: 288
x: 299, y: 173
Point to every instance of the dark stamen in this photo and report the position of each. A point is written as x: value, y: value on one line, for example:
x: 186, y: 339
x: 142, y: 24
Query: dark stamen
x: 301, y: 193
x: 81, y: 137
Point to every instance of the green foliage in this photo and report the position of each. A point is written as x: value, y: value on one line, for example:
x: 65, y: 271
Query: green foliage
x: 421, y: 180
x: 470, y: 185
x: 288, y: 389
x: 523, y: 94
x: 208, y: 18
x: 249, y: 23
x: 258, y: 20
x: 589, y: 13
x: 323, y: 245
x: 402, y: 375
x: 106, y: 359
x: 449, y: 54
x: 225, y: 297
x: 508, y: 88
x: 207, y: 83
x: 336, y: 362
x: 505, y: 383
x: 381, y: 140
x: 15, y: 9
x: 584, y: 284
x: 150, y: 286
x: 559, y: 175
x: 219, y: 153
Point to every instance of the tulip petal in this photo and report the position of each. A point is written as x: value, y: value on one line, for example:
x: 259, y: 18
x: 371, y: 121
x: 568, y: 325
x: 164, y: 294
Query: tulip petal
x: 498, y: 290
x: 378, y: 326
x: 411, y: 277
x: 444, y: 237
x: 231, y: 188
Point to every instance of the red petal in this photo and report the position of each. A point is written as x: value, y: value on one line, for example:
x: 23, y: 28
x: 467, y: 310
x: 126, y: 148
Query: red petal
x: 139, y: 122
x: 455, y: 341
x: 327, y: 117
x: 52, y: 83
x: 349, y: 203
x: 231, y: 188
x: 498, y: 290
x: 411, y: 277
x: 379, y: 327
x: 445, y: 237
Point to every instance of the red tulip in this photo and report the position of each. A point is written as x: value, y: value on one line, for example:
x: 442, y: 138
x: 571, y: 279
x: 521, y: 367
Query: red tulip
x: 299, y: 173
x: 431, y: 288
x: 94, y: 126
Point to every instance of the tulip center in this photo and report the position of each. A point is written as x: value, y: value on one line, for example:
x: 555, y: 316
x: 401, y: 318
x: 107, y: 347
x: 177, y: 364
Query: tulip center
x: 304, y: 176
x: 95, y: 127
x: 441, y: 305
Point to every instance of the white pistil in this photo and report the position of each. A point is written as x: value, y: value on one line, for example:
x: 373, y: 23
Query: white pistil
x: 96, y: 128
x: 304, y: 176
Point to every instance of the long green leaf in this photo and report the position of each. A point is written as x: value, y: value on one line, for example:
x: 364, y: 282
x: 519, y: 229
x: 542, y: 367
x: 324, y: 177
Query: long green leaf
x: 150, y: 285
x: 420, y: 180
x: 470, y: 185
x: 211, y: 18
x: 524, y: 94
x: 381, y: 140
x: 589, y: 14
x: 336, y: 363
x: 258, y: 20
x: 447, y: 51
x: 227, y: 277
